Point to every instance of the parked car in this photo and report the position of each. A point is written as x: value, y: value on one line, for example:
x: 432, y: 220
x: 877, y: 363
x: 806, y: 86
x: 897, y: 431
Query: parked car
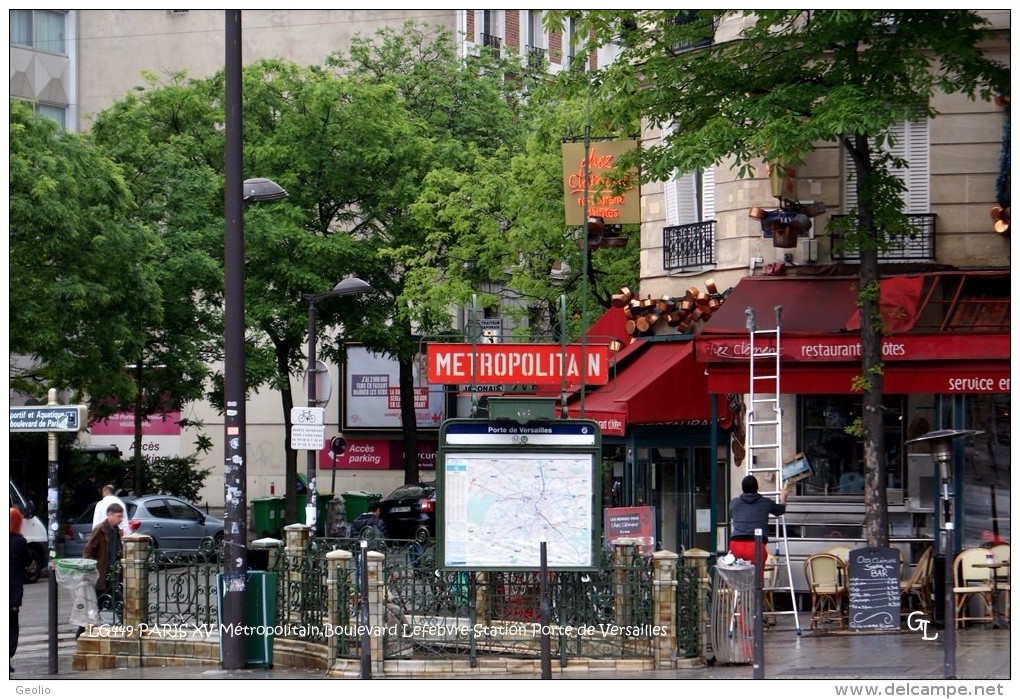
x: 410, y: 512
x: 172, y: 523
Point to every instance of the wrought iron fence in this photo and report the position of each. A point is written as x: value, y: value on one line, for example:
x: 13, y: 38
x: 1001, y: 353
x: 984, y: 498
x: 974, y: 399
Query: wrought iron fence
x: 427, y: 611
x: 181, y: 586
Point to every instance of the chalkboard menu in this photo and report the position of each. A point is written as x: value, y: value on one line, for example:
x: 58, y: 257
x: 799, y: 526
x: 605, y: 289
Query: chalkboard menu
x: 874, y: 583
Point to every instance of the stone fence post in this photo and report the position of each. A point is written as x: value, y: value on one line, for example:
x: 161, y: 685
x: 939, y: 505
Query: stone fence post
x: 623, y: 572
x: 297, y: 536
x: 136, y: 579
x: 664, y: 586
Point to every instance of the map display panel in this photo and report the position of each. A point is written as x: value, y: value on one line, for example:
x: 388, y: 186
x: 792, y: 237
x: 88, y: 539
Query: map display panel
x: 499, y: 507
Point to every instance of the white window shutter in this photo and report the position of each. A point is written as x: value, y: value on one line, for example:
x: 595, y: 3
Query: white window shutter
x: 918, y: 177
x: 912, y: 144
x: 708, y: 194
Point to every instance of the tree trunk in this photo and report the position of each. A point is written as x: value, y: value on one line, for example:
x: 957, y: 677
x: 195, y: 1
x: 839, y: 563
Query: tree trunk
x: 290, y: 455
x: 408, y: 419
x: 876, y: 511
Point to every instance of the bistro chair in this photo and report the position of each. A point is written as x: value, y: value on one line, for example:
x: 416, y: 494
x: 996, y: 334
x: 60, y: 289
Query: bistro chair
x: 919, y: 584
x: 1001, y: 553
x: 970, y: 582
x: 842, y: 551
x: 826, y: 578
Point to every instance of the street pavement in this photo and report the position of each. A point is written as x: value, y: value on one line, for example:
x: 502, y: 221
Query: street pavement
x: 912, y: 660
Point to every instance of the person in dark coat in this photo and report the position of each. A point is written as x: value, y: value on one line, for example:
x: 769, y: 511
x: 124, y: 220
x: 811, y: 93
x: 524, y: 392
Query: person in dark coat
x: 366, y: 522
x: 20, y: 557
x: 103, y: 547
x: 85, y: 494
x: 751, y: 511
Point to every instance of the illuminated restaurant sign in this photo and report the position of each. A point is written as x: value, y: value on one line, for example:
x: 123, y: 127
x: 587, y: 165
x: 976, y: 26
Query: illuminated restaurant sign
x: 595, y: 173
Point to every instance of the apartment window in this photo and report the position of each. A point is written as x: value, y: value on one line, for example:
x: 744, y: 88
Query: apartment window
x: 911, y: 143
x: 54, y: 112
x: 40, y: 29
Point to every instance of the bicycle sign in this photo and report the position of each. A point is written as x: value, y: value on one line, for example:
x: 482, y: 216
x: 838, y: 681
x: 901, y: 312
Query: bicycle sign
x: 307, y: 416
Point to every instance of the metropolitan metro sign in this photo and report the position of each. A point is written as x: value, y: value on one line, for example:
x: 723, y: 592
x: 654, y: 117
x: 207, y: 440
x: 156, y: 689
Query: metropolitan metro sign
x: 519, y: 363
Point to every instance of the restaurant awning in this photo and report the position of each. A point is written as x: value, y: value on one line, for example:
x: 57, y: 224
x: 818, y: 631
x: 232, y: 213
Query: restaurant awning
x: 945, y: 333
x: 653, y: 383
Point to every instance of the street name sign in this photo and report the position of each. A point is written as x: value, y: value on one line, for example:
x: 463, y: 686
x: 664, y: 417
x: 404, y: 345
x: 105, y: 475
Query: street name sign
x: 48, y: 418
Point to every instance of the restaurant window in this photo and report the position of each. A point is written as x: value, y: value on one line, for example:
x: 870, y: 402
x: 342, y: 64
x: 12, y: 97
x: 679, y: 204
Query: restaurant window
x: 837, y: 457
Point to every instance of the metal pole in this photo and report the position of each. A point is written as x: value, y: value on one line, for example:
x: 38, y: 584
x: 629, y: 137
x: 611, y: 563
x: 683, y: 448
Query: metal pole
x: 366, y: 649
x: 949, y: 646
x: 543, y: 612
x: 759, y: 626
x: 312, y: 504
x: 53, y: 501
x: 233, y: 647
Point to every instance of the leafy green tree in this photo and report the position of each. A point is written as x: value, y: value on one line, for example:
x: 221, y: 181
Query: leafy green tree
x: 785, y: 82
x: 83, y: 288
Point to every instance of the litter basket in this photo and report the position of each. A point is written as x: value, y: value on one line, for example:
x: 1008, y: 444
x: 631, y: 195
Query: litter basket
x: 260, y: 615
x: 732, y: 619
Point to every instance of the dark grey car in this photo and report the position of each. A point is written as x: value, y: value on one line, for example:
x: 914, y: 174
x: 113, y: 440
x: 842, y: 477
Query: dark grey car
x: 410, y: 512
x: 172, y: 523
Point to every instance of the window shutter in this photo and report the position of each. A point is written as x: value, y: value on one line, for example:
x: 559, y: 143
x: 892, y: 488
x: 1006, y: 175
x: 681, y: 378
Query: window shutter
x: 912, y: 145
x: 708, y: 194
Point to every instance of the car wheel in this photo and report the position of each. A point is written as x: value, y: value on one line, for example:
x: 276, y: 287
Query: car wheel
x: 34, y: 567
x: 421, y: 535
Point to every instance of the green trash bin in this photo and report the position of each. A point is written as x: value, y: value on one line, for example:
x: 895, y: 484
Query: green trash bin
x: 268, y: 514
x: 260, y: 619
x: 356, y: 502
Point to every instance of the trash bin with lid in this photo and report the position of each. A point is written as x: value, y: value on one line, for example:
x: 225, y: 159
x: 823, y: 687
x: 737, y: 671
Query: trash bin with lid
x: 268, y: 514
x: 260, y: 613
x: 732, y: 619
x: 80, y: 575
x: 356, y: 502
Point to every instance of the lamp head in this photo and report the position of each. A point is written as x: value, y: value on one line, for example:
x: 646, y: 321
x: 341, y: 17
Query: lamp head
x: 940, y: 442
x: 262, y: 189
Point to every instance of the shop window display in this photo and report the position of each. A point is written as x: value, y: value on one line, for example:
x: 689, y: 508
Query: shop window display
x: 837, y: 457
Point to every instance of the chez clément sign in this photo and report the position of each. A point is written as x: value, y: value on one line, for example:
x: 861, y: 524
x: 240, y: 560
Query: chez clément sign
x: 594, y: 172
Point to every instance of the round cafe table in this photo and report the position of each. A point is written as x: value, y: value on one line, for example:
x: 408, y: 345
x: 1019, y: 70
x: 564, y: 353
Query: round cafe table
x: 998, y: 620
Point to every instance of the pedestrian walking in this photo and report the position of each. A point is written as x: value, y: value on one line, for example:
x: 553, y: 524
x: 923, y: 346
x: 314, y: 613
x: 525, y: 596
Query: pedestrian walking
x: 19, y: 559
x: 103, y: 546
x: 110, y: 498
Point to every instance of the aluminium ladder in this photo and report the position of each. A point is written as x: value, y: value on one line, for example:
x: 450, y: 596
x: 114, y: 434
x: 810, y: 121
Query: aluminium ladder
x: 764, y: 452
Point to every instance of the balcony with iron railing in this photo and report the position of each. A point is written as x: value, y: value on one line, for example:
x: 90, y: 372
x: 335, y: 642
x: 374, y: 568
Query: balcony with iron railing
x: 535, y: 55
x: 701, y: 25
x: 492, y: 42
x: 917, y: 246
x: 690, y: 246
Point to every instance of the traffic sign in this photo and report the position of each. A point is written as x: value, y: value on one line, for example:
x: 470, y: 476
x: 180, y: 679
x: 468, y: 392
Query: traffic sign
x: 49, y: 418
x: 307, y: 416
x: 338, y: 445
x: 312, y: 437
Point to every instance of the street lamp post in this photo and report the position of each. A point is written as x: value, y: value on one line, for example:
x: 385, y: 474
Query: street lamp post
x: 346, y: 287
x: 233, y: 646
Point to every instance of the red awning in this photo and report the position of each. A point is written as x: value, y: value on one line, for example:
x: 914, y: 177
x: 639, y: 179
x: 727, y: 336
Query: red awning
x: 820, y: 347
x: 611, y: 326
x: 654, y: 383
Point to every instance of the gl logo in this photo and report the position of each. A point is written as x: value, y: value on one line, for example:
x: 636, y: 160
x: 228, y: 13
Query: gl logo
x: 917, y: 622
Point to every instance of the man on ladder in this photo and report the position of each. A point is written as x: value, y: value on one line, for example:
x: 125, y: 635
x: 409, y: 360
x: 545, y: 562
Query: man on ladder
x: 749, y: 511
